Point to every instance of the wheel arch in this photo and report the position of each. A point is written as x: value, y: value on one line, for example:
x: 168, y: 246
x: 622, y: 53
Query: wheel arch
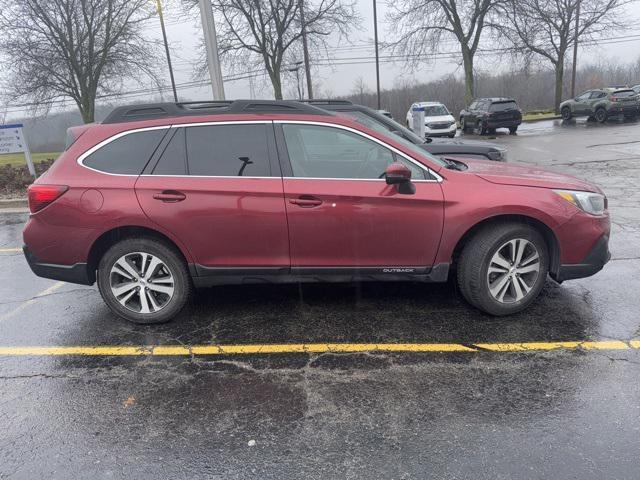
x: 114, y: 235
x: 549, y: 236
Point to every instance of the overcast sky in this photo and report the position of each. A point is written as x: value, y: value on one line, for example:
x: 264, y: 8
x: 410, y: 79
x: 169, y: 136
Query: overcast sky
x: 185, y: 36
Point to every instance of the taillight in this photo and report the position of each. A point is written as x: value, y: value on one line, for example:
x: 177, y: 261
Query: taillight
x: 42, y: 195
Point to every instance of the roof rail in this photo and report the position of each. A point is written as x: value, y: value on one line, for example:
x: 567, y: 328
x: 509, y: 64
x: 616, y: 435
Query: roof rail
x: 150, y: 111
x: 320, y: 101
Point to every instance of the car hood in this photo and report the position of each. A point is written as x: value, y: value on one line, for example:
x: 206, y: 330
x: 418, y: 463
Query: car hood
x: 526, y: 176
x: 467, y: 143
x: 439, y: 118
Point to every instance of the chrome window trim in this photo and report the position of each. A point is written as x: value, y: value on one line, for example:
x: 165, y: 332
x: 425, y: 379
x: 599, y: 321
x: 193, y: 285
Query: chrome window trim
x: 81, y: 158
x: 438, y: 178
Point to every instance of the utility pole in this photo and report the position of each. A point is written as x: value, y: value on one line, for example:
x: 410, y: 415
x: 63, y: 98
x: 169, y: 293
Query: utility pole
x: 297, y: 70
x: 375, y: 35
x: 166, y: 49
x: 211, y: 44
x: 575, y: 52
x: 305, y: 50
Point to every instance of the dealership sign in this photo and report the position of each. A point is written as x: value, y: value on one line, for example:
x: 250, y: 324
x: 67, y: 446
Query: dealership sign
x: 12, y: 140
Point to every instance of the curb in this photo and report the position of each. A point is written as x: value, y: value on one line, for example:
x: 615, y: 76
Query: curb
x: 12, y: 204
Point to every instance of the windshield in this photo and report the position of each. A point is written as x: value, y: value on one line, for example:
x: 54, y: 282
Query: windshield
x: 502, y: 106
x: 400, y: 133
x: 435, y: 111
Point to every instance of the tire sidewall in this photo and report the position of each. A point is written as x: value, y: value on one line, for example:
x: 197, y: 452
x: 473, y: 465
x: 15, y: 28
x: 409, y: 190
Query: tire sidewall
x: 566, y: 113
x: 601, y: 115
x: 171, y: 260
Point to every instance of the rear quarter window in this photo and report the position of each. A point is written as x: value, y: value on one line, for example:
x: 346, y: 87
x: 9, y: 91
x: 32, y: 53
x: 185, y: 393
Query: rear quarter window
x: 126, y: 155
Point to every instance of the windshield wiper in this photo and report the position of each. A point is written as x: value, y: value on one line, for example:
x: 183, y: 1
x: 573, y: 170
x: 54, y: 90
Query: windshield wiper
x: 451, y: 165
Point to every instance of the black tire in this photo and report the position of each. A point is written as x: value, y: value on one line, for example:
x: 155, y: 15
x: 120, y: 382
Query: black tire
x: 601, y: 115
x: 452, y: 135
x: 566, y: 113
x: 482, y: 128
x: 473, y: 266
x: 182, y: 285
x: 513, y: 130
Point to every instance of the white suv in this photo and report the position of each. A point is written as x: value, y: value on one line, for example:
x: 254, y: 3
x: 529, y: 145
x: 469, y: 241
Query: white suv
x: 438, y: 121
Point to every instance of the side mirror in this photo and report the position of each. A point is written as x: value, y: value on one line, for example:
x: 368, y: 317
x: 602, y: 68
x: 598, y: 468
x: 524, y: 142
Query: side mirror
x: 397, y: 173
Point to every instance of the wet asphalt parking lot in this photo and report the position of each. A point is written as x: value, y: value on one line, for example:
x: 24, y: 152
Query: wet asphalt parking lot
x: 552, y: 392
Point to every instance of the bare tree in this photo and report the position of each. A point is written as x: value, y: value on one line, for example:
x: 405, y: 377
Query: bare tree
x: 547, y: 28
x: 420, y: 25
x: 267, y: 32
x: 360, y: 90
x: 73, y: 48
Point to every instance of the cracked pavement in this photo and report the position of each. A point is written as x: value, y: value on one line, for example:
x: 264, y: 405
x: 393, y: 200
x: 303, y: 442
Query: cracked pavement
x: 565, y: 413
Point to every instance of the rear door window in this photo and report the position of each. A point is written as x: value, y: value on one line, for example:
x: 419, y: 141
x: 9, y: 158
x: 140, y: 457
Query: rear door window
x: 126, y: 155
x: 238, y: 150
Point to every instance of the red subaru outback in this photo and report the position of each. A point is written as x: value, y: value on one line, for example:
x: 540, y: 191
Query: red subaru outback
x: 158, y: 199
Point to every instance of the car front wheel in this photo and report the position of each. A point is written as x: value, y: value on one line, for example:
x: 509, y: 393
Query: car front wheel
x: 566, y: 113
x: 502, y: 269
x: 143, y: 280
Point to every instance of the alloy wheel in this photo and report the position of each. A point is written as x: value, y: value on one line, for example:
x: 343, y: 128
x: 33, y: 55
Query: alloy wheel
x: 513, y: 270
x: 141, y: 282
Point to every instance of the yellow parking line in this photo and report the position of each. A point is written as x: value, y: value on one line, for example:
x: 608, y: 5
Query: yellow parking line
x: 10, y: 250
x: 257, y: 349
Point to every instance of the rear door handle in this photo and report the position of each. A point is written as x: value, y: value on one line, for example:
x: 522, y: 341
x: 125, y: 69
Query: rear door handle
x: 306, y: 201
x: 170, y: 196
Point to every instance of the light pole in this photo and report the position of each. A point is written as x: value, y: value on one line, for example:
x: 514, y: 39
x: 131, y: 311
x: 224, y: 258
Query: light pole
x: 166, y: 49
x: 375, y: 35
x: 575, y: 52
x: 211, y: 44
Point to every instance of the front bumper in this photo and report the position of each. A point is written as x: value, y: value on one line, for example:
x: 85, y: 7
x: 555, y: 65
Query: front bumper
x: 592, y: 264
x: 440, y: 132
x: 76, y: 273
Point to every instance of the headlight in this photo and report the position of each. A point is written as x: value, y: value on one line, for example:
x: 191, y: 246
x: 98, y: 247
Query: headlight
x: 593, y: 203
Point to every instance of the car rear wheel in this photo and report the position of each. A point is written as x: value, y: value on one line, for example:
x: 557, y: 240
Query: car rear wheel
x: 513, y: 130
x: 502, y: 269
x: 601, y: 115
x: 566, y: 113
x: 144, y: 281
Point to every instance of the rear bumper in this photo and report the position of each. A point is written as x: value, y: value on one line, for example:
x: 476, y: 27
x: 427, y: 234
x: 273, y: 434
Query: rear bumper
x: 628, y: 110
x: 76, y: 273
x: 592, y: 264
x: 503, y: 123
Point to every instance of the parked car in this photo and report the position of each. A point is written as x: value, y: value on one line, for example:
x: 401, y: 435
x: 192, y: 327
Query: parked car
x: 160, y: 198
x: 440, y: 147
x: 487, y: 114
x: 438, y: 121
x: 601, y: 104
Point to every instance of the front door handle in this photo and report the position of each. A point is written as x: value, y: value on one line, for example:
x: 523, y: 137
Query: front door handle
x: 170, y: 196
x: 306, y: 201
